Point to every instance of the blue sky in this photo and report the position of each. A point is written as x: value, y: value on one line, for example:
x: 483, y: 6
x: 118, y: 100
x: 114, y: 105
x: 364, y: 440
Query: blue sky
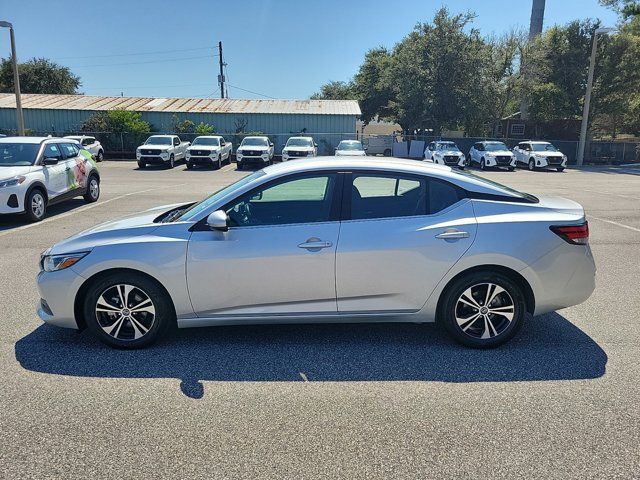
x: 281, y: 49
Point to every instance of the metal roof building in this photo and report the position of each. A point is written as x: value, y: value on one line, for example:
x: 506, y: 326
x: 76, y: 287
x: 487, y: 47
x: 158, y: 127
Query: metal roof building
x: 66, y: 113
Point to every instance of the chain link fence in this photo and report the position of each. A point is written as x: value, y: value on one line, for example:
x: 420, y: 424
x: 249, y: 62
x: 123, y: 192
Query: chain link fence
x: 123, y: 145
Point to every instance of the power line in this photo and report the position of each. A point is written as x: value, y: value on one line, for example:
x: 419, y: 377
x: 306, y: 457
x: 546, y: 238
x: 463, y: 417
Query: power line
x: 164, y: 60
x: 250, y: 91
x: 158, y: 52
x: 151, y: 86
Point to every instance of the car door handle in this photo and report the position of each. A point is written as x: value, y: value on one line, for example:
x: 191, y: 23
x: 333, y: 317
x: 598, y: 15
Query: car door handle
x: 452, y: 235
x: 314, y: 244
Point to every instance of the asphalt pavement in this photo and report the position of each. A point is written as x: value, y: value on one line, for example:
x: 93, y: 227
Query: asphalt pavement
x: 561, y: 400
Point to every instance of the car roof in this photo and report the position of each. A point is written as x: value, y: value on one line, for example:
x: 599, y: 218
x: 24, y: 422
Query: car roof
x: 540, y: 142
x: 306, y: 137
x: 255, y: 136
x: 387, y: 164
x: 209, y: 136
x: 31, y: 140
x: 489, y: 142
x: 166, y: 136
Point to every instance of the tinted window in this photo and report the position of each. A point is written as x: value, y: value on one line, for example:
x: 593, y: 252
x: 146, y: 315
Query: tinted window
x: 87, y: 141
x: 387, y: 196
x: 18, y: 154
x: 304, y: 199
x: 52, y: 151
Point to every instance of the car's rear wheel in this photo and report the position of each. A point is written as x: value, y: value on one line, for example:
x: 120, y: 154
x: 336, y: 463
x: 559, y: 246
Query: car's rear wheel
x: 35, y: 205
x: 483, y: 309
x: 100, y: 156
x: 387, y: 152
x: 93, y: 190
x: 127, y: 310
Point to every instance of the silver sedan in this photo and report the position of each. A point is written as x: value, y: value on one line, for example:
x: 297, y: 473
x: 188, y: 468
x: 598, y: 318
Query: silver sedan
x: 327, y: 240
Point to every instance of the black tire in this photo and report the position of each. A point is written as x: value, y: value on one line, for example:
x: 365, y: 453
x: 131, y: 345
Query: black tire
x: 35, y: 205
x: 218, y: 165
x: 532, y: 165
x: 100, y: 156
x: 387, y: 152
x: 164, y: 312
x: 239, y: 165
x: 505, y: 330
x: 142, y: 165
x: 511, y: 169
x: 172, y: 161
x: 560, y: 169
x: 189, y: 165
x: 93, y: 189
x: 483, y: 165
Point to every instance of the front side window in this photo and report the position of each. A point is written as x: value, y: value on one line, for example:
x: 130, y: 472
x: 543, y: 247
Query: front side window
x: 176, y: 142
x: 52, y: 151
x: 305, y: 199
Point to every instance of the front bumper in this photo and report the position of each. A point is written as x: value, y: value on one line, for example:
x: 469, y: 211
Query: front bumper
x: 58, y: 290
x: 498, y: 162
x: 12, y: 199
x: 202, y: 160
x: 252, y: 160
x: 153, y: 159
x: 553, y: 162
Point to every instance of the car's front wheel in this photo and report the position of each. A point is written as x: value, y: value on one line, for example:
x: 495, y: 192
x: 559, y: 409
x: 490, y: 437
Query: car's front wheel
x: 35, y: 205
x: 483, y: 309
x: 560, y: 169
x: 127, y: 310
x: 141, y: 165
x: 172, y: 161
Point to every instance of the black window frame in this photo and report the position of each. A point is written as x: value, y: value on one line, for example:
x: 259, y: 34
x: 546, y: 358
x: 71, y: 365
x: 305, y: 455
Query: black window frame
x: 59, y: 147
x: 348, y: 183
x: 62, y: 146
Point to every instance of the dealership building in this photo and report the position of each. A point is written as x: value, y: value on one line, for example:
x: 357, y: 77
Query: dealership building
x: 327, y: 120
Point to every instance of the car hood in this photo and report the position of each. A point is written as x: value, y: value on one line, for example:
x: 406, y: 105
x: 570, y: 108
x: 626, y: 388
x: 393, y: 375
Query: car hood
x: 263, y: 149
x: 10, y: 172
x: 549, y: 154
x: 450, y: 152
x: 203, y: 147
x: 499, y: 152
x: 155, y: 147
x: 112, y: 231
x: 298, y: 149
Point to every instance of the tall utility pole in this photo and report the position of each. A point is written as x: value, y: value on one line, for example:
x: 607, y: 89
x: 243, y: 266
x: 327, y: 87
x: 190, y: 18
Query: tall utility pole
x: 221, y: 75
x: 16, y: 79
x: 537, y: 18
x: 587, y: 95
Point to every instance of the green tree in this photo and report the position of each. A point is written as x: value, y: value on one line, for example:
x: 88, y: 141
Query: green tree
x: 116, y: 121
x: 205, y: 129
x: 626, y: 8
x: 39, y: 75
x: 335, y: 90
x: 372, y: 84
x: 184, y: 126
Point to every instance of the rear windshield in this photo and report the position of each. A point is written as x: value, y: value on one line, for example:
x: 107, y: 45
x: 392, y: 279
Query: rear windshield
x: 527, y: 197
x: 18, y: 154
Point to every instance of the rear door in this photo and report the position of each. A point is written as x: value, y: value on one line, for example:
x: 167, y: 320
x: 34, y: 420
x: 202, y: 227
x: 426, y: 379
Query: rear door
x: 400, y: 235
x: 278, y: 256
x: 76, y: 167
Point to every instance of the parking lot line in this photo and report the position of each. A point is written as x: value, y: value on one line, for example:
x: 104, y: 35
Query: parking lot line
x: 615, y: 223
x: 87, y: 207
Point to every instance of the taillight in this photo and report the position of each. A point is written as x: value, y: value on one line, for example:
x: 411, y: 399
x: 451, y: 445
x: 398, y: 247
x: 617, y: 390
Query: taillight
x: 575, y: 234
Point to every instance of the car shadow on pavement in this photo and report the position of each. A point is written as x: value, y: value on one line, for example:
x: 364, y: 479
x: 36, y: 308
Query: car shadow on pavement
x: 548, y: 348
x: 10, y: 221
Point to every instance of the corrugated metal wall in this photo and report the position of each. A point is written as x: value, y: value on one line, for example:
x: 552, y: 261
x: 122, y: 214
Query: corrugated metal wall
x: 66, y: 121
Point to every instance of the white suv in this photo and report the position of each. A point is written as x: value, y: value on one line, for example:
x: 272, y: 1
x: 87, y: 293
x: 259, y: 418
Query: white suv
x: 90, y: 144
x: 540, y: 155
x: 492, y: 154
x: 36, y: 172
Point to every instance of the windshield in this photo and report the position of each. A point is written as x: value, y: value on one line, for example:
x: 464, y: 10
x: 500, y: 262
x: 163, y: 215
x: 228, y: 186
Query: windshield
x: 299, y: 142
x: 18, y: 154
x: 543, y: 147
x: 350, y: 145
x: 206, y: 141
x: 158, y: 141
x: 197, y: 208
x: 254, y: 142
x: 495, y: 147
x: 447, y: 146
x: 512, y: 191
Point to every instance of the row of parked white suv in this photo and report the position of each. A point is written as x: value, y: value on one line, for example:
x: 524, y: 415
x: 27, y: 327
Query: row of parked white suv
x: 534, y: 154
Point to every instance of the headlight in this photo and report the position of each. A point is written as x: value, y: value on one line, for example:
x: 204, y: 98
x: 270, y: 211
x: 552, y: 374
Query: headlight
x: 52, y: 263
x: 12, y: 182
x: 164, y: 154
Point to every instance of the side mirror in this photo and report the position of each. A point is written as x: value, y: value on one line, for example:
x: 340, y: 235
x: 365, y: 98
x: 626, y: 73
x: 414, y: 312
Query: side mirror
x: 315, y: 145
x: 270, y: 144
x: 188, y: 144
x: 218, y: 220
x: 50, y: 161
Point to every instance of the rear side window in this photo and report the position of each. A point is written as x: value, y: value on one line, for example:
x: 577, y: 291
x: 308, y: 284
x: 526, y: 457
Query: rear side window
x: 70, y: 150
x: 52, y: 151
x: 389, y: 196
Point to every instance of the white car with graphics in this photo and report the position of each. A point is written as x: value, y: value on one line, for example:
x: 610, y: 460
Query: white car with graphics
x: 161, y: 150
x: 491, y: 154
x: 539, y: 155
x: 254, y: 150
x: 36, y: 172
x: 299, y: 147
x: 209, y: 150
x: 445, y: 153
x: 90, y: 144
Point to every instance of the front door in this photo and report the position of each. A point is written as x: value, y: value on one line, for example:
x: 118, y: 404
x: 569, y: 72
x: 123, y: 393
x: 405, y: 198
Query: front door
x: 55, y: 176
x: 278, y: 256
x: 402, y: 235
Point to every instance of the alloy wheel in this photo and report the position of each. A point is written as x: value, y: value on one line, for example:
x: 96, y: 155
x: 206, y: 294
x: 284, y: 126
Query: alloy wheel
x: 484, y: 310
x: 125, y: 312
x: 532, y: 165
x: 37, y: 205
x: 94, y: 188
